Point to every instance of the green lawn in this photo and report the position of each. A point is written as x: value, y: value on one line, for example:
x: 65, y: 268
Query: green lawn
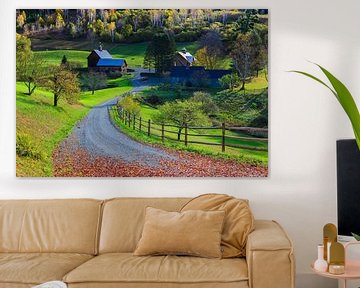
x: 258, y: 83
x: 247, y: 155
x: 132, y: 53
x: 45, y: 126
x: 53, y: 57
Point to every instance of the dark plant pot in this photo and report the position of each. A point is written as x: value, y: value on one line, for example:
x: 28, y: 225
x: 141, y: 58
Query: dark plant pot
x: 348, y: 187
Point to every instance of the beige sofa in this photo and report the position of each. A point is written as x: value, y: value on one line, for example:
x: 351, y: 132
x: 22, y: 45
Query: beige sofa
x: 89, y: 243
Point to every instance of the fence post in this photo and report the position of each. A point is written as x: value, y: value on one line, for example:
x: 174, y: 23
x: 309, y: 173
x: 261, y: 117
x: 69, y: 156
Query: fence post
x: 125, y: 117
x: 223, y: 137
x: 149, y: 124
x: 140, y: 124
x: 162, y: 132
x: 129, y: 118
x: 186, y: 134
x: 134, y: 118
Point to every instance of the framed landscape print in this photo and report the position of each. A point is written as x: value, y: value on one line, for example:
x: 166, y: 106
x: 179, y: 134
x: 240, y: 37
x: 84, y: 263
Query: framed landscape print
x: 142, y: 93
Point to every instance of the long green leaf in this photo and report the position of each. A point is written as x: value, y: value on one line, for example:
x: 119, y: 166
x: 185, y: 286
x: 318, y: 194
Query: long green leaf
x: 316, y: 79
x: 344, y: 97
x: 347, y: 102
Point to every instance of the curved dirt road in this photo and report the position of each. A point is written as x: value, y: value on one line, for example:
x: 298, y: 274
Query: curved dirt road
x: 97, y: 135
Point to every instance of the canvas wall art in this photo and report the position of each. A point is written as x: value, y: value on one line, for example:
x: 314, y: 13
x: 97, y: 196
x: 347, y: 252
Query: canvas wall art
x: 142, y: 93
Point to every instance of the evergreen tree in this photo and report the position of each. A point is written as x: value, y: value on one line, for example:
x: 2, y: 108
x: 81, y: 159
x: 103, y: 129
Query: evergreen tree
x: 149, y: 61
x: 161, y: 51
x: 64, y: 60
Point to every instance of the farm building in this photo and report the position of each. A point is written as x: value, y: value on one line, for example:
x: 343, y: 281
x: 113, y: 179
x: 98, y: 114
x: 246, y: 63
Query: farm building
x: 194, y: 74
x: 100, y: 59
x: 184, y: 58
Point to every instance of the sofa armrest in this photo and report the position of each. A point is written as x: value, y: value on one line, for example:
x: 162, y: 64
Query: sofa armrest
x: 269, y: 255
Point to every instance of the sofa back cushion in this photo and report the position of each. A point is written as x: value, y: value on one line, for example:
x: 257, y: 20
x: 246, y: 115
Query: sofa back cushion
x: 66, y: 226
x: 123, y: 220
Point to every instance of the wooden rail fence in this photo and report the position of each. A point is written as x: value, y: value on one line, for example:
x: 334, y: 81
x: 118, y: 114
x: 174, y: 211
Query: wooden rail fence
x: 148, y: 127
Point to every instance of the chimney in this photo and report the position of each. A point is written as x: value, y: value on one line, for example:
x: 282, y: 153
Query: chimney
x: 100, y: 46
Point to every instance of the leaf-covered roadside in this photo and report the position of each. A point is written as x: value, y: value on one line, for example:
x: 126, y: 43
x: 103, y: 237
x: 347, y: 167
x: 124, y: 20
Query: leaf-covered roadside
x: 79, y: 163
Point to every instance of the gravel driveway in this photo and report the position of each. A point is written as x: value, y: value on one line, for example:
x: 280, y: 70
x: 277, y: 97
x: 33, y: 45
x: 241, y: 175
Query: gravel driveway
x: 97, y: 135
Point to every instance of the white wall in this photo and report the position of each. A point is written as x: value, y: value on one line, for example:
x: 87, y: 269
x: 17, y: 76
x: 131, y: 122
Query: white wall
x: 305, y: 121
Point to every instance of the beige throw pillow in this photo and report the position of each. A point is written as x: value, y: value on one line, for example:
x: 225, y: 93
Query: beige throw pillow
x: 239, y: 220
x: 195, y: 233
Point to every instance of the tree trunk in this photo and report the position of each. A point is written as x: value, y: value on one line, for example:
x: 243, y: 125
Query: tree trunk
x: 55, y: 100
x: 32, y: 89
x: 29, y: 87
x: 179, y: 133
x: 92, y: 91
x: 242, y: 86
x: 257, y: 73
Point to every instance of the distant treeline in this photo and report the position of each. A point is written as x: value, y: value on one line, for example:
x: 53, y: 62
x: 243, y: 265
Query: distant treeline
x: 138, y: 25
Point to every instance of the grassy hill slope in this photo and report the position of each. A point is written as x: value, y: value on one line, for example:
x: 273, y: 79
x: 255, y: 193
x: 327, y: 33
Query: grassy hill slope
x: 40, y: 126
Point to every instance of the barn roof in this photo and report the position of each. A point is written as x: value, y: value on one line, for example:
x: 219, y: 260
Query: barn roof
x: 110, y: 62
x: 103, y: 54
x: 187, y: 56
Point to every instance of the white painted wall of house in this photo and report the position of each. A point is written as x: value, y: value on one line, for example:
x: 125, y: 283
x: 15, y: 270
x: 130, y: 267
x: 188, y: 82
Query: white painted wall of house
x: 305, y: 121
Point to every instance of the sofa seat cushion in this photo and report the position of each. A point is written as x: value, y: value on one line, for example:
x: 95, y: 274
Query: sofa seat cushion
x: 36, y: 268
x: 127, y: 268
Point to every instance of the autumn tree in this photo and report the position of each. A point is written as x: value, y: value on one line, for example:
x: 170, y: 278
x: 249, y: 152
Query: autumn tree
x: 208, y: 60
x: 211, y: 51
x: 244, y: 56
x: 59, y: 20
x: 111, y: 27
x: 28, y: 66
x: 161, y: 51
x: 127, y: 30
x: 23, y: 49
x: 135, y: 16
x: 94, y: 81
x: 63, y: 83
x: 129, y: 105
x: 21, y: 20
x: 72, y: 30
x: 99, y: 26
x: 182, y: 114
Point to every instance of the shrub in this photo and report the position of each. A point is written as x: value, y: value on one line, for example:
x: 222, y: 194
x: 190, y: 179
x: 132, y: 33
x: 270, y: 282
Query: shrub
x: 118, y: 37
x: 153, y: 99
x: 26, y: 148
x: 189, y: 36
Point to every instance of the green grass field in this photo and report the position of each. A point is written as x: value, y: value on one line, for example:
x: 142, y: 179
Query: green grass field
x: 53, y: 57
x: 238, y: 154
x: 45, y: 125
x: 147, y: 112
x: 258, y: 83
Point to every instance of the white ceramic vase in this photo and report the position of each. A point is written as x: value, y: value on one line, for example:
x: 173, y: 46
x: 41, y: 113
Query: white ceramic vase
x: 320, y: 264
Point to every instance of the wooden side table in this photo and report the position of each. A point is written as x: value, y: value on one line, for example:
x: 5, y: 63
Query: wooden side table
x: 352, y: 269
